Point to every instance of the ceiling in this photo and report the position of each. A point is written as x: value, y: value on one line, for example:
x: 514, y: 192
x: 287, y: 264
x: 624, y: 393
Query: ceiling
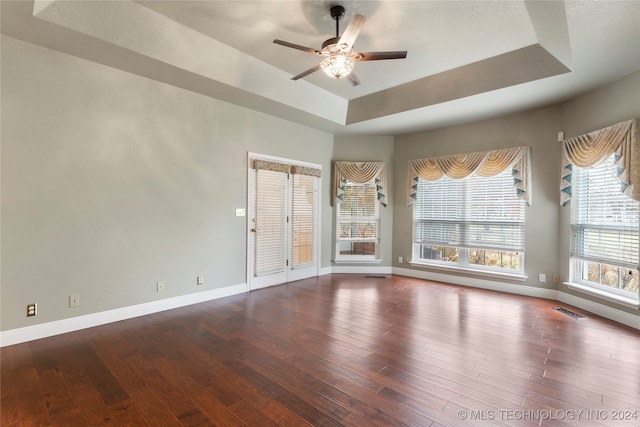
x: 467, y: 60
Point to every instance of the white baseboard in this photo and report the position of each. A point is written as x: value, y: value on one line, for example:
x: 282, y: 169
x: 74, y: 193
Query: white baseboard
x: 512, y: 288
x: 359, y: 269
x: 29, y: 333
x: 323, y: 271
x: 605, y: 311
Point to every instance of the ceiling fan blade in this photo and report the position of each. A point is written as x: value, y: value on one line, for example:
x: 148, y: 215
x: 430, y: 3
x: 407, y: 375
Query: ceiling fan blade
x: 297, y: 46
x: 376, y: 56
x: 353, y: 29
x: 306, y: 73
x: 353, y: 79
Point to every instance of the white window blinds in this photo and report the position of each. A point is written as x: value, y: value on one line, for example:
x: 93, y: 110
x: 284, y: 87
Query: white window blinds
x: 357, y: 219
x: 476, y: 212
x: 303, y: 213
x: 270, y: 222
x: 605, y: 222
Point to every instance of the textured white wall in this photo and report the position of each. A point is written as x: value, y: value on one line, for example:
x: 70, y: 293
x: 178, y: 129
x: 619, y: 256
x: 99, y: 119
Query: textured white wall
x: 112, y: 182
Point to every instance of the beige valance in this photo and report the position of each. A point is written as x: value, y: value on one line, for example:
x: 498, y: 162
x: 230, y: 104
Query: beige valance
x: 285, y: 168
x: 588, y: 150
x: 484, y: 163
x: 270, y: 166
x: 359, y: 172
x: 305, y: 170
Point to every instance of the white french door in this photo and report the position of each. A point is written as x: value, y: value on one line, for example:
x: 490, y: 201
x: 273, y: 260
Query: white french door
x: 283, y: 221
x: 304, y: 227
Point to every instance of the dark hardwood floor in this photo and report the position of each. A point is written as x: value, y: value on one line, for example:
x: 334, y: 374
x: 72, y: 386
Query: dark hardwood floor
x: 331, y: 351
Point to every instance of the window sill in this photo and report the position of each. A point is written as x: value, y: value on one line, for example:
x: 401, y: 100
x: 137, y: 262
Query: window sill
x: 357, y: 261
x: 486, y: 273
x: 619, y: 299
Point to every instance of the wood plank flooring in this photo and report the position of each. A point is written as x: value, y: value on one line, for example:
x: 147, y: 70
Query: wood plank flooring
x: 338, y: 350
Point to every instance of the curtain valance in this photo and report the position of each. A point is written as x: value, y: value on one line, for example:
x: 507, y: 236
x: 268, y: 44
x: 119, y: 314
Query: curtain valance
x: 484, y: 163
x: 305, y: 170
x: 588, y: 150
x: 359, y: 172
x: 285, y: 168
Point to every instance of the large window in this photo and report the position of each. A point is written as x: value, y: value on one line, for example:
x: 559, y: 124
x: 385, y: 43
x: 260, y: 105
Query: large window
x: 473, y: 223
x: 604, y: 231
x: 358, y: 223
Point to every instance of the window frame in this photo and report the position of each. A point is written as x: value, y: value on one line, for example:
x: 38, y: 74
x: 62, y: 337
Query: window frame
x: 579, y: 265
x: 463, y: 263
x: 375, y: 219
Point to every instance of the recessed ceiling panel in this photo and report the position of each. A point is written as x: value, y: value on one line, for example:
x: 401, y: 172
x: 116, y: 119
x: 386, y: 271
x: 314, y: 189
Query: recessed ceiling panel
x: 509, y: 69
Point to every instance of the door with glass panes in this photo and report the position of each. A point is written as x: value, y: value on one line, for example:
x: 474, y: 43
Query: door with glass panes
x: 283, y: 214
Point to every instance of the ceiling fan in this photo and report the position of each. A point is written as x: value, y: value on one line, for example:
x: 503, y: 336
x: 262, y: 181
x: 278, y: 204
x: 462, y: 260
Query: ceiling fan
x: 339, y: 56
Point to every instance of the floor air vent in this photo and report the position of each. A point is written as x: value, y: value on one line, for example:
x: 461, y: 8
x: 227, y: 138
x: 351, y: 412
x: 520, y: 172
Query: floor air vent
x: 569, y: 313
x: 375, y: 277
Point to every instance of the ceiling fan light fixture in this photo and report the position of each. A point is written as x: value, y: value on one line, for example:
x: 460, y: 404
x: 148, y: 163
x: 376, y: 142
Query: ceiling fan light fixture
x: 338, y: 61
x: 338, y: 57
x: 337, y: 66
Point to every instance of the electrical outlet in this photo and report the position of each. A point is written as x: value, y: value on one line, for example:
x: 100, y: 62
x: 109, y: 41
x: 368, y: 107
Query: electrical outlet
x: 32, y: 309
x: 199, y: 280
x: 542, y: 278
x: 74, y: 300
x: 400, y: 260
x: 555, y: 279
x: 160, y: 286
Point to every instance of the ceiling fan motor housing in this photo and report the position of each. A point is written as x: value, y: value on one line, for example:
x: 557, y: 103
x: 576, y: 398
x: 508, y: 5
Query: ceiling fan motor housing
x: 333, y: 40
x: 337, y: 12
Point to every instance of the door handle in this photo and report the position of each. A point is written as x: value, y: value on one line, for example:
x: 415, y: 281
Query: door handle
x: 254, y: 230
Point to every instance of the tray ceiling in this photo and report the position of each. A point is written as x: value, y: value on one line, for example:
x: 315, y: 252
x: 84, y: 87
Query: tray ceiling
x: 467, y: 60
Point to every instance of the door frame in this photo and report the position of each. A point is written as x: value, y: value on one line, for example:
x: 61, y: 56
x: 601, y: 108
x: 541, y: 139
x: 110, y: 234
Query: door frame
x: 251, y: 214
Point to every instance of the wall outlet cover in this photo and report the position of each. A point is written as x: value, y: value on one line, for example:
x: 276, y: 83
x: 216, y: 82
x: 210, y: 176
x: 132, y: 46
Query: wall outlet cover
x: 74, y: 300
x: 32, y: 309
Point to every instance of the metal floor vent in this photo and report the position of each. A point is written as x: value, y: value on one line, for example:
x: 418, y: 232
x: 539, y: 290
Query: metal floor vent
x: 569, y: 313
x: 375, y: 277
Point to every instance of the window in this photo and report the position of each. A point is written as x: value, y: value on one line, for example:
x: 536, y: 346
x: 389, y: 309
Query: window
x: 604, y: 231
x: 358, y: 223
x: 303, y: 213
x: 473, y: 223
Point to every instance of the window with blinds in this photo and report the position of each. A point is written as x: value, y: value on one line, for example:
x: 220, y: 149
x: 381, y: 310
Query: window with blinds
x: 604, y: 230
x: 271, y: 222
x: 477, y: 222
x: 357, y: 223
x: 303, y: 211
